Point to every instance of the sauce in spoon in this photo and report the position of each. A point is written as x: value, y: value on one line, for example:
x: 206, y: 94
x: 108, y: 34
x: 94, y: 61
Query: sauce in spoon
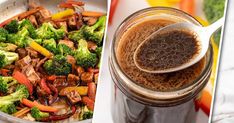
x: 167, y: 50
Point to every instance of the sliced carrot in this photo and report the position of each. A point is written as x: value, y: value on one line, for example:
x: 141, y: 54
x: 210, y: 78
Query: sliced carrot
x: 22, y: 79
x: 21, y: 112
x: 38, y: 105
x: 70, y: 3
x: 20, y: 16
x: 92, y: 14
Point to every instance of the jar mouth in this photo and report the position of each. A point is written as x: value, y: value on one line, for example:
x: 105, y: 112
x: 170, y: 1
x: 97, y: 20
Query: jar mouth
x: 145, y: 95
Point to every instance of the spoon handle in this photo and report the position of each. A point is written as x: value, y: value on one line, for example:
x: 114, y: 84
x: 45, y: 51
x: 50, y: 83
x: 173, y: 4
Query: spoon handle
x: 215, y: 26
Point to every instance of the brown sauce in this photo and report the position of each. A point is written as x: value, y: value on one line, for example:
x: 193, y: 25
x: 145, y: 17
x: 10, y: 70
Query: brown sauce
x: 158, y: 82
x: 167, y: 50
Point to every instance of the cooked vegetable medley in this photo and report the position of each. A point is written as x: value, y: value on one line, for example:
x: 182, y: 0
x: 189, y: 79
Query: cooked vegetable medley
x: 49, y: 63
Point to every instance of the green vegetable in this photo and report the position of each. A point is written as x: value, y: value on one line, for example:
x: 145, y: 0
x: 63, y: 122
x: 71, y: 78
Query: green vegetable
x: 58, y: 33
x: 25, y: 23
x: 6, y: 83
x: 214, y: 9
x: 37, y: 114
x: 3, y: 34
x: 20, y: 39
x: 85, y: 113
x: 44, y: 31
x: 76, y: 35
x: 58, y: 66
x: 83, y: 56
x: 95, y: 33
x: 50, y: 44
x: 47, y: 31
x: 12, y: 27
x: 64, y: 50
x: 98, y: 51
x: 7, y: 102
x: 7, y: 46
x: 39, y: 41
x: 7, y: 58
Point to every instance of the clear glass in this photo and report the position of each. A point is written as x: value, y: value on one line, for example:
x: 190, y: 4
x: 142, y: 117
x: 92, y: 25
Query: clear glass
x: 132, y: 103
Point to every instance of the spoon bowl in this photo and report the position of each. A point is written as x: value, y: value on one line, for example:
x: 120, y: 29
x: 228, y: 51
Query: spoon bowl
x: 202, y: 35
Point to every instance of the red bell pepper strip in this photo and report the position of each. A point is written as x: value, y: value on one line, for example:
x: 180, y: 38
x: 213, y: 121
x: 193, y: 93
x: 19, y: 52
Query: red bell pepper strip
x: 88, y: 102
x: 22, y: 79
x: 4, y: 72
x: 92, y: 90
x: 44, y: 86
x: 51, y: 78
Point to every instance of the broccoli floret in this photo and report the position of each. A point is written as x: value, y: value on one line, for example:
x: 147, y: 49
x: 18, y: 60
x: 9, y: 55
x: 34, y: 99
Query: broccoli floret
x: 98, y: 51
x: 83, y: 56
x: 8, y: 107
x: 44, y: 31
x: 47, y: 31
x: 64, y: 50
x: 29, y: 26
x: 3, y: 34
x: 76, y: 35
x: 37, y: 114
x: 50, y: 44
x: 6, y: 83
x: 7, y: 102
x: 19, y: 39
x: 12, y: 27
x: 85, y: 113
x: 95, y: 33
x: 58, y: 33
x: 7, y: 46
x: 39, y: 41
x: 7, y: 58
x: 58, y: 66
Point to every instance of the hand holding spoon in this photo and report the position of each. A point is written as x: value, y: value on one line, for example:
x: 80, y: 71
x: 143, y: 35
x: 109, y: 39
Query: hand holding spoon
x: 174, y: 47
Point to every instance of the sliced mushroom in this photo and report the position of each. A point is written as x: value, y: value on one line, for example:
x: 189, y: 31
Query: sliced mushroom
x: 33, y: 20
x: 72, y: 20
x: 73, y: 97
x: 68, y: 43
x: 90, y: 20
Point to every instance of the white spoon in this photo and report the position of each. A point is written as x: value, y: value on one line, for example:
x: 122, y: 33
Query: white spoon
x: 202, y: 34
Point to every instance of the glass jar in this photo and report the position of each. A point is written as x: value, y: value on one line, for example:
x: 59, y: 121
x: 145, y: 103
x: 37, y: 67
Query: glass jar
x: 132, y: 103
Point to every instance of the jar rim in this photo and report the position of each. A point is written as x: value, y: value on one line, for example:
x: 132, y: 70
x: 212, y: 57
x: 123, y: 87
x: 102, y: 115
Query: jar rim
x: 144, y: 95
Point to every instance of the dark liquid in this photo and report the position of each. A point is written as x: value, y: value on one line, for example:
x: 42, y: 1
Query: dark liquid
x: 167, y: 50
x: 158, y: 82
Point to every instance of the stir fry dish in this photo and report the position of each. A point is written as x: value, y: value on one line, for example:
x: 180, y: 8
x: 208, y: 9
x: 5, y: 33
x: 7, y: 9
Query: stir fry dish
x: 49, y: 63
